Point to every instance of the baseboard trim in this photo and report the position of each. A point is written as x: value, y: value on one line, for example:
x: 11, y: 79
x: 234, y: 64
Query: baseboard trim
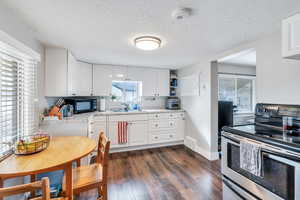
x: 149, y: 146
x: 191, y: 143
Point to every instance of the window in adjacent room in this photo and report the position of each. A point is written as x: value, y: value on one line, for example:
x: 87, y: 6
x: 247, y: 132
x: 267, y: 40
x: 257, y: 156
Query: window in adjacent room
x: 128, y: 92
x: 17, y: 97
x: 240, y: 90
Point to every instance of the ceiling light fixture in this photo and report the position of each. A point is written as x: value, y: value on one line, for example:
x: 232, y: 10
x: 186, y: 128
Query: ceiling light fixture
x: 147, y: 43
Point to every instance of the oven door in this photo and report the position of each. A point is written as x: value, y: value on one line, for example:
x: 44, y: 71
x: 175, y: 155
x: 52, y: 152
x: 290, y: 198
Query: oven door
x: 280, y: 171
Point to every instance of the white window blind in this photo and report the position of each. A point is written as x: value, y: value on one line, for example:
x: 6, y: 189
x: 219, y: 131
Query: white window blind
x: 17, y: 97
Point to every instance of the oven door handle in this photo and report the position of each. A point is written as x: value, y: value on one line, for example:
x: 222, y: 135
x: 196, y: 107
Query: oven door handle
x: 281, y: 159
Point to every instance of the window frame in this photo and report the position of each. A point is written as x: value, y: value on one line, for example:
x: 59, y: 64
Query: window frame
x: 236, y: 77
x: 124, y: 96
x: 26, y: 104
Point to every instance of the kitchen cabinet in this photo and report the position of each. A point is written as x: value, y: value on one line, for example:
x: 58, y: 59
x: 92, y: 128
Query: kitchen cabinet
x: 149, y: 84
x: 113, y: 135
x: 166, y: 127
x: 71, y: 127
x: 291, y: 37
x: 155, y: 82
x: 138, y: 133
x: 180, y: 127
x: 56, y: 70
x: 102, y: 80
x: 97, y: 124
x: 163, y: 82
x: 80, y: 78
x: 64, y: 75
x: 119, y: 73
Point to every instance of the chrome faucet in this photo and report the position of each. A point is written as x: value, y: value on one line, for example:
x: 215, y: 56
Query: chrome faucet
x: 126, y: 106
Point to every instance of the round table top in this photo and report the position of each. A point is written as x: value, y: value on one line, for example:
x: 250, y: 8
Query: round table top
x: 61, y: 151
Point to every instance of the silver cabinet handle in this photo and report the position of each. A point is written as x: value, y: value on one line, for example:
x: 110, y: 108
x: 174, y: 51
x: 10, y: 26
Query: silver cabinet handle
x: 156, y: 137
x: 171, y: 136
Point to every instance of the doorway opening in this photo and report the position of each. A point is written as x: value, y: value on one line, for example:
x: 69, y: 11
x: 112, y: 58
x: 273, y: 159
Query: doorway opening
x: 236, y: 76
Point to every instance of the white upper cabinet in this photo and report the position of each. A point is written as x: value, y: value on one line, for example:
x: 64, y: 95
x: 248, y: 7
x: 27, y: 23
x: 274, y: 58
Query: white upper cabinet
x: 65, y: 76
x: 102, y: 79
x: 56, y: 69
x: 80, y: 78
x: 155, y: 82
x: 119, y: 73
x: 291, y: 37
x: 163, y: 82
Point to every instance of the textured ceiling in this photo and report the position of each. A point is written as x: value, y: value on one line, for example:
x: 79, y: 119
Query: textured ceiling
x: 102, y: 31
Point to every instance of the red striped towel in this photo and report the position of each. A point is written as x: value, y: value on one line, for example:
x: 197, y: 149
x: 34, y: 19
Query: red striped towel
x: 122, y: 132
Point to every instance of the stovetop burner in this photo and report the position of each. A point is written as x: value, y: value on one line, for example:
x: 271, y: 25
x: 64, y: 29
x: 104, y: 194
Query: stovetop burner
x: 269, y: 133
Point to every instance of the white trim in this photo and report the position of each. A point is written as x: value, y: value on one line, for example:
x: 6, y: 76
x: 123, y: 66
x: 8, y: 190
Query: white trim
x: 25, y: 50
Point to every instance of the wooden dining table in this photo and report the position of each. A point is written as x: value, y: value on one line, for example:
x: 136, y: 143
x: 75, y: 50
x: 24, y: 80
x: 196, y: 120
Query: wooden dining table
x: 60, y: 154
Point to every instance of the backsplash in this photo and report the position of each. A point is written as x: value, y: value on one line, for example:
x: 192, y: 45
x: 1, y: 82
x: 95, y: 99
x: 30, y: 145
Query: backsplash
x: 146, y: 102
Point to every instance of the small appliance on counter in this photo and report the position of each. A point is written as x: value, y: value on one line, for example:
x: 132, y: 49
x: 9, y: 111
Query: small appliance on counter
x: 102, y: 104
x: 173, y: 103
x: 82, y: 105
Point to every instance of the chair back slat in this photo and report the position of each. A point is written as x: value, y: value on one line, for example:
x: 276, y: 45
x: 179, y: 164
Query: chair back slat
x: 102, y: 154
x: 20, y: 189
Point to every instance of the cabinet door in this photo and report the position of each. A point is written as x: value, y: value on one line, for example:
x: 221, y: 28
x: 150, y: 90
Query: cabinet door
x: 163, y: 82
x: 135, y: 73
x: 180, y: 127
x: 291, y: 37
x: 97, y: 128
x: 102, y: 77
x: 56, y: 68
x: 113, y: 135
x: 80, y: 78
x: 149, y: 82
x: 119, y: 73
x: 138, y: 133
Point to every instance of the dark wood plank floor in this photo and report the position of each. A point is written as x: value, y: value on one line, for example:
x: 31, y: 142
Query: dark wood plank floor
x: 171, y: 173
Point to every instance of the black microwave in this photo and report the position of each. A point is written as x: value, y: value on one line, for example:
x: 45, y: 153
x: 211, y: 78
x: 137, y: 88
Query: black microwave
x: 82, y: 105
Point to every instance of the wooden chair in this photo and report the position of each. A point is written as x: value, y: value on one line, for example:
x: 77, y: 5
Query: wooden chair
x: 19, y: 189
x: 94, y: 175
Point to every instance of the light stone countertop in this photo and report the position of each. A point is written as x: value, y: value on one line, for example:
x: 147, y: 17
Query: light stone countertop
x: 86, y: 116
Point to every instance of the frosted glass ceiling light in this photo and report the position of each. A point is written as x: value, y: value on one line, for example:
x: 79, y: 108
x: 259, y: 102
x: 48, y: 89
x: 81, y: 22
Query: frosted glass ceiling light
x: 147, y: 43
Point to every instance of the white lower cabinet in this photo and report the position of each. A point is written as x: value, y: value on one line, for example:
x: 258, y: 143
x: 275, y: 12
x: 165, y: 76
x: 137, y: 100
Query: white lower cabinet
x: 113, y: 135
x: 143, y: 129
x: 138, y: 133
x: 163, y: 136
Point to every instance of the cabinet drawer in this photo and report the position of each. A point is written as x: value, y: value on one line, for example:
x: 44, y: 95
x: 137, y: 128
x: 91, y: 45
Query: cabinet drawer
x: 171, y: 115
x: 130, y: 117
x: 160, y: 137
x: 99, y: 118
x: 163, y: 124
x: 157, y: 116
x: 176, y: 115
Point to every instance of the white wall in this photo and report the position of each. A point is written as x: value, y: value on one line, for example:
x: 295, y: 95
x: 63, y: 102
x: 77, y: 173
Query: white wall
x: 199, y: 111
x: 277, y: 81
x: 236, y: 69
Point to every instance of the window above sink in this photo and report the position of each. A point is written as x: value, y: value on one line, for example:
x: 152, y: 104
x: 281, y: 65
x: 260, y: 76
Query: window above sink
x: 127, y: 92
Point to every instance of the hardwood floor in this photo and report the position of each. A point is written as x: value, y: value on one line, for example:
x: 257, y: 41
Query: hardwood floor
x: 162, y: 174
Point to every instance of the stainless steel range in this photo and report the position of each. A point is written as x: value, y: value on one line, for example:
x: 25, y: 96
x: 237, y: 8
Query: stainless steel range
x: 279, y: 156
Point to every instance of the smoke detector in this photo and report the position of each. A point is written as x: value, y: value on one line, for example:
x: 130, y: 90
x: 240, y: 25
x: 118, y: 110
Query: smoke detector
x: 181, y: 13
